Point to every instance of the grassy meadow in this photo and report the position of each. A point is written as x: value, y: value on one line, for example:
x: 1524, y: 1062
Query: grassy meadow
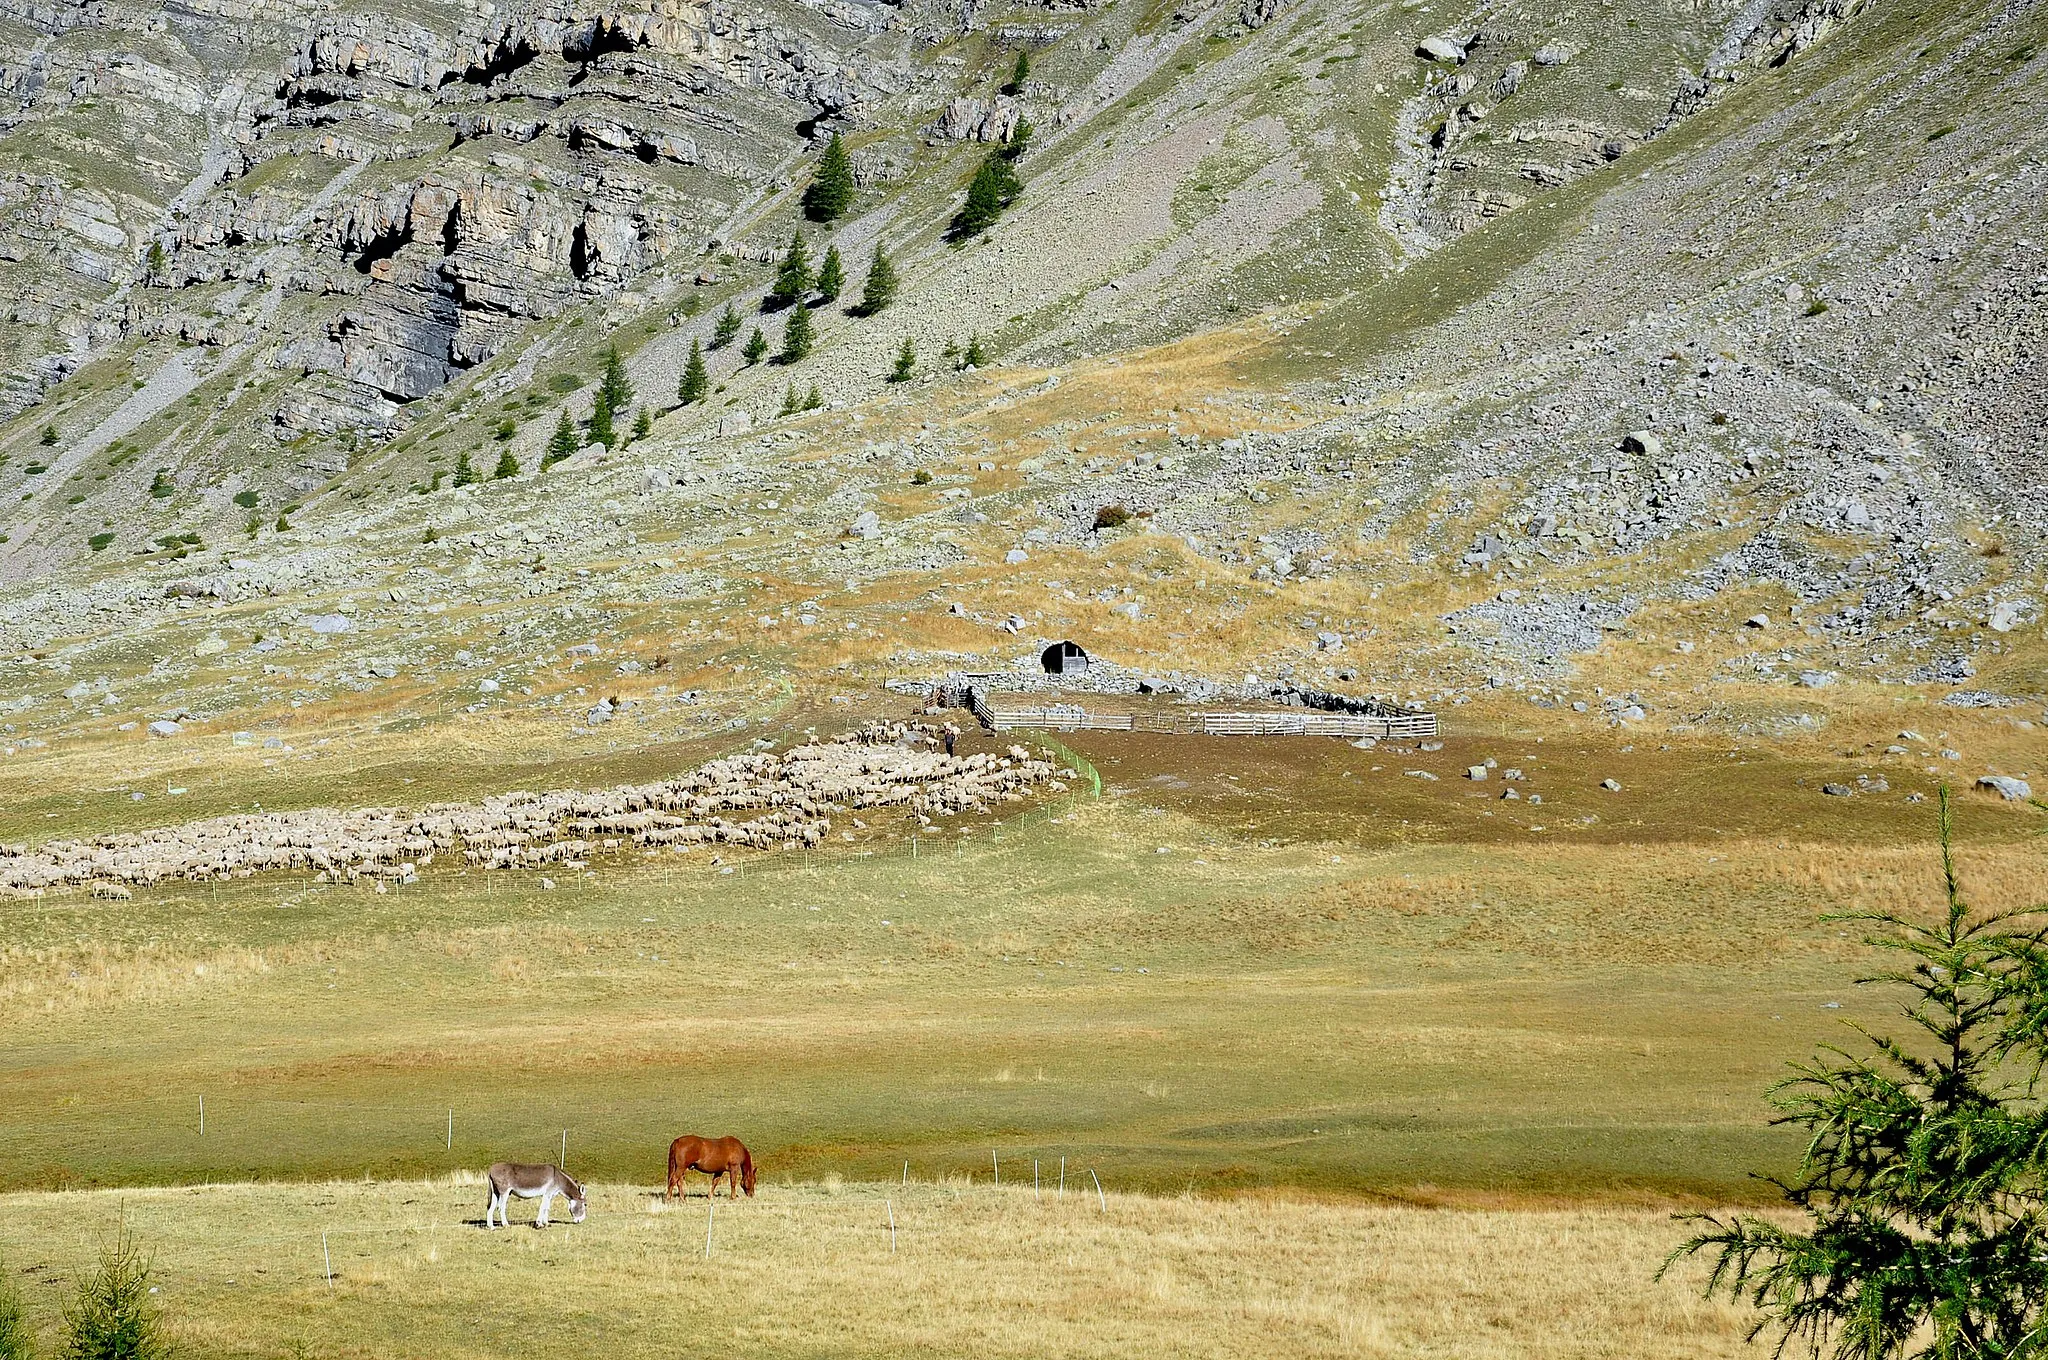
x: 808, y: 1271
x: 1367, y: 1064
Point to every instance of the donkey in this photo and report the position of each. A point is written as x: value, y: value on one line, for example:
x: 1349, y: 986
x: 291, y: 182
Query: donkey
x: 531, y: 1182
x: 727, y: 1157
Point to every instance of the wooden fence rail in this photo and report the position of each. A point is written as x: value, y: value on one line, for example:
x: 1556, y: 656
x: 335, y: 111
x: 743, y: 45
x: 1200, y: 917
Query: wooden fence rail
x: 1073, y: 718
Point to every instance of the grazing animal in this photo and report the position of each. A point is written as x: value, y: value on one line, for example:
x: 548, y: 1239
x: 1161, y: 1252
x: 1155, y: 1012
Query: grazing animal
x: 531, y: 1182
x: 715, y: 1157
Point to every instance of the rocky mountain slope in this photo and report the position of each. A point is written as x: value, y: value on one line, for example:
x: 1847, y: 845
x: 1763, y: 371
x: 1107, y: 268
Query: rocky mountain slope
x: 1662, y: 358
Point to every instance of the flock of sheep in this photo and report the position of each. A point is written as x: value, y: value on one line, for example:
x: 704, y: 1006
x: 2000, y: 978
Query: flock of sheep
x: 764, y: 801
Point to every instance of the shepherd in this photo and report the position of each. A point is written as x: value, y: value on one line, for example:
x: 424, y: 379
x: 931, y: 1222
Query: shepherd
x: 715, y: 1157
x: 531, y: 1182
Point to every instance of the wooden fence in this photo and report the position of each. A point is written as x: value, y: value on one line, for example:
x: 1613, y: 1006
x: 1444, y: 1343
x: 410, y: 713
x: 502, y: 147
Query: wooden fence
x: 1286, y: 723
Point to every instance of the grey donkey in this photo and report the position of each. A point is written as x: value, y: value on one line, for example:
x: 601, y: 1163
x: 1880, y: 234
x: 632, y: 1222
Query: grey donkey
x: 531, y: 1182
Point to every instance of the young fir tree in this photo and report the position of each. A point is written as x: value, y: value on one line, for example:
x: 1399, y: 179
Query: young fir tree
x: 974, y: 356
x: 615, y: 386
x: 815, y: 401
x: 993, y: 189
x: 831, y: 188
x: 114, y: 1315
x: 791, y: 404
x: 831, y: 275
x: 562, y: 444
x: 1019, y: 140
x: 1019, y: 73
x: 1923, y: 1213
x: 880, y: 289
x: 906, y: 362
x: 465, y: 474
x: 17, y: 1333
x: 797, y: 336
x: 508, y: 466
x: 792, y: 276
x: 727, y: 328
x: 602, y: 430
x: 643, y: 424
x: 695, y: 384
x: 756, y: 348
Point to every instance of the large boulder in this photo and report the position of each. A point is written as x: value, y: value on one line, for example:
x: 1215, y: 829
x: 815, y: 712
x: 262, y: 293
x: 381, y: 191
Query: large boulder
x: 2006, y: 787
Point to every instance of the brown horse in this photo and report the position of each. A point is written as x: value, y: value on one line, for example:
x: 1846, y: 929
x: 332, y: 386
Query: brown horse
x: 715, y: 1157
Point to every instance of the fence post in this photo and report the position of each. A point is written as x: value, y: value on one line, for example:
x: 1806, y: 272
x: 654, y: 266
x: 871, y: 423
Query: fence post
x: 202, y: 1116
x: 709, y: 1219
x: 1063, y: 1180
x: 329, y: 1260
x: 998, y: 1166
x: 892, y: 1225
x: 1098, y: 1189
x: 451, y: 1128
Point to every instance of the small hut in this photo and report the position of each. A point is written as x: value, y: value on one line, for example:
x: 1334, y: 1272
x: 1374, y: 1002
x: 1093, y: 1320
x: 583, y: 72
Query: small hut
x: 1064, y: 658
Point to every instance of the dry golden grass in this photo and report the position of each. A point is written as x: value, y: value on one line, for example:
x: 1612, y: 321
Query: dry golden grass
x: 807, y: 1270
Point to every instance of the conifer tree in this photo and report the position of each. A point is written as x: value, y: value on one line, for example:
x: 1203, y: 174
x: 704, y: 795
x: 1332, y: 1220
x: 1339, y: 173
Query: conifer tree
x: 17, y: 1333
x: 792, y: 276
x: 756, y: 348
x: 508, y: 466
x: 643, y: 425
x: 115, y: 1315
x: 1019, y: 140
x: 615, y: 386
x: 975, y: 356
x: 465, y: 474
x: 695, y: 384
x: 797, y: 336
x: 791, y: 404
x: 906, y: 362
x: 880, y: 290
x: 816, y: 400
x: 727, y: 328
x: 1019, y: 73
x: 562, y: 444
x: 831, y: 275
x: 601, y: 428
x: 994, y: 188
x: 1922, y: 1224
x: 831, y: 188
